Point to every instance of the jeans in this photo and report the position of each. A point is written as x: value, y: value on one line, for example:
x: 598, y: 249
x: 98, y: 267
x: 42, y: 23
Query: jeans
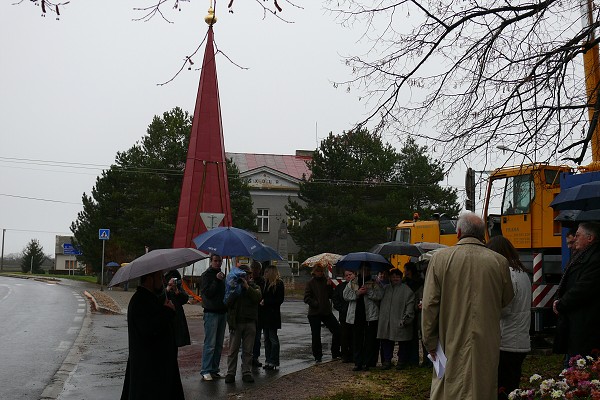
x: 333, y: 325
x: 214, y: 335
x: 243, y: 335
x: 271, y: 346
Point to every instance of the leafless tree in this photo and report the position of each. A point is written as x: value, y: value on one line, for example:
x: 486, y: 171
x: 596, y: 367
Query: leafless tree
x: 472, y: 75
x: 156, y: 7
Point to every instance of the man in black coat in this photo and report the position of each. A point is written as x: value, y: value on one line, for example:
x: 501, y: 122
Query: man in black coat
x: 578, y: 304
x: 152, y: 369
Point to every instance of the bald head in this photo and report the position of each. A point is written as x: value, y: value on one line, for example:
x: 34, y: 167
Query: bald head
x: 470, y: 224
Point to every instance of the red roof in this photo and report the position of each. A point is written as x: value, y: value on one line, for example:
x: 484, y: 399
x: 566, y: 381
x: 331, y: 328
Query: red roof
x: 292, y: 165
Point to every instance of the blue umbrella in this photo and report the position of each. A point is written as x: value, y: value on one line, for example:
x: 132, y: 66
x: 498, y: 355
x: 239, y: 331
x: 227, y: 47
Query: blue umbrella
x: 580, y: 197
x: 353, y: 261
x: 228, y: 242
x: 266, y: 253
x: 113, y: 264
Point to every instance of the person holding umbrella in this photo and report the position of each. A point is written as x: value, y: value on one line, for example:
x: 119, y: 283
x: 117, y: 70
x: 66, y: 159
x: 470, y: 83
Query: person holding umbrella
x: 152, y: 371
x: 318, y: 294
x: 363, y: 296
x: 215, y: 318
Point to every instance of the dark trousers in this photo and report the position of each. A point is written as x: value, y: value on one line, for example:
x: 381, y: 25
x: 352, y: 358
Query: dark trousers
x: 346, y: 341
x: 365, y: 344
x: 257, y: 339
x: 331, y: 323
x: 509, y: 372
x: 412, y: 356
x: 388, y: 351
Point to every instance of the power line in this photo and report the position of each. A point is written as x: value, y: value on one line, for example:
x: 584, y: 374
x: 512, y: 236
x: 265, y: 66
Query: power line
x: 39, y: 199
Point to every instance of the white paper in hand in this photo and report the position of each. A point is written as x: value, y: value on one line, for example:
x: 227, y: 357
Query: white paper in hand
x: 440, y: 361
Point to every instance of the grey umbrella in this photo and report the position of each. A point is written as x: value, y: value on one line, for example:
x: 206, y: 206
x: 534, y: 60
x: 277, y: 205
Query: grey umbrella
x: 396, y: 247
x: 157, y: 260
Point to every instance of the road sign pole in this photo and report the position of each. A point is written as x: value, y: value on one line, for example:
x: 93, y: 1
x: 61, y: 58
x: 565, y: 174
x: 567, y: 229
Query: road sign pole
x: 102, y: 276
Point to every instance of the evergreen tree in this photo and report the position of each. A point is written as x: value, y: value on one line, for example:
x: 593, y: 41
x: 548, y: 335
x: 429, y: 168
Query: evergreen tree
x: 360, y: 186
x: 137, y: 198
x: 33, y: 257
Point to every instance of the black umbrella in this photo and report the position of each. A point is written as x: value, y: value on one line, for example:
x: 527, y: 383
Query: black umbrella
x: 396, y: 247
x: 353, y: 261
x: 580, y: 197
x: 578, y: 215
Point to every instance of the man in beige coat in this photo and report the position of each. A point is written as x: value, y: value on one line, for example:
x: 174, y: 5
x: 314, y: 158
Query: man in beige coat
x: 466, y: 287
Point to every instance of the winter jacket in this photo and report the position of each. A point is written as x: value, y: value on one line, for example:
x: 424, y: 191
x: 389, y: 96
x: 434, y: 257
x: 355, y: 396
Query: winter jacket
x: 374, y: 294
x: 244, y: 308
x: 213, y: 292
x: 269, y: 313
x: 317, y: 295
x: 396, y: 313
x: 516, y: 317
x: 338, y: 301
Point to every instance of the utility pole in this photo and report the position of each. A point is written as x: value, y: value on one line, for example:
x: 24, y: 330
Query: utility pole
x: 2, y: 252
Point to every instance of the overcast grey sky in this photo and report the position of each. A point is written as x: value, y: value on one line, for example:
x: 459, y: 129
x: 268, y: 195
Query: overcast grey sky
x: 77, y: 90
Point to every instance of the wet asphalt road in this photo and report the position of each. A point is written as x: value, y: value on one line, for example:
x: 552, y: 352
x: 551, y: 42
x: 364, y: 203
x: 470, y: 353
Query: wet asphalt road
x: 101, y: 355
x: 40, y: 322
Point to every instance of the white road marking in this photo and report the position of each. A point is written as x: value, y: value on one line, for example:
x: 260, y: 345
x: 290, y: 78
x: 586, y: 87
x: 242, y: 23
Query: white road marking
x: 64, y: 345
x: 77, y: 319
x: 72, y: 330
x: 7, y: 293
x: 80, y: 310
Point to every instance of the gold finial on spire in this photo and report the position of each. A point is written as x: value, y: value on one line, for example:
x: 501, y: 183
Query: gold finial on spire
x: 211, y: 19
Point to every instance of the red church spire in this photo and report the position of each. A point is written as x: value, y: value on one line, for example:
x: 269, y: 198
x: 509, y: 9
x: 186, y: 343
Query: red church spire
x: 205, y: 188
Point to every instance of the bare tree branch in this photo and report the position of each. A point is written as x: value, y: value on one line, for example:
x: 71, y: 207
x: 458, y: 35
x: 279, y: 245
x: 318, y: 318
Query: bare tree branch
x: 471, y: 75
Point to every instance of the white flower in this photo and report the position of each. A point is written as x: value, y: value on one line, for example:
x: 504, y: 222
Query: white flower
x: 562, y: 385
x: 581, y: 363
x: 563, y: 372
x: 514, y: 394
x: 535, y: 377
x: 557, y: 394
x: 589, y: 358
x: 595, y: 382
x: 546, y: 385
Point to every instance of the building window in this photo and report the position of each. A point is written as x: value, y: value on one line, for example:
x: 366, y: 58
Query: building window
x: 262, y: 219
x: 294, y: 264
x: 70, y: 264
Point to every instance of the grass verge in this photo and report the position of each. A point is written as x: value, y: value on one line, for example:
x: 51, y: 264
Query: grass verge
x: 414, y: 383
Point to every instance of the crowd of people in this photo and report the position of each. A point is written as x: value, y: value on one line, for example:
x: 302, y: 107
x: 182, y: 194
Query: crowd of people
x: 471, y: 306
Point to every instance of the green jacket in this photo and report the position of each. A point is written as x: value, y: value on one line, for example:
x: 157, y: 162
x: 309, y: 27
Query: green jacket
x: 245, y: 307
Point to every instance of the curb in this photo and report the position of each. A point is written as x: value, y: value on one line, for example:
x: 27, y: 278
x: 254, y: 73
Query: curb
x: 67, y: 368
x: 97, y: 307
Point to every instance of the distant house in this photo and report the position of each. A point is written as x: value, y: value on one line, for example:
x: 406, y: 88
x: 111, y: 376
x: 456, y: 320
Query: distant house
x: 65, y: 256
x: 273, y: 178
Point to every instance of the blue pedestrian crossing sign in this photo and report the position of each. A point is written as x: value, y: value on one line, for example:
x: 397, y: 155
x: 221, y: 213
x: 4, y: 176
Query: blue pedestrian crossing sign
x: 104, y: 234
